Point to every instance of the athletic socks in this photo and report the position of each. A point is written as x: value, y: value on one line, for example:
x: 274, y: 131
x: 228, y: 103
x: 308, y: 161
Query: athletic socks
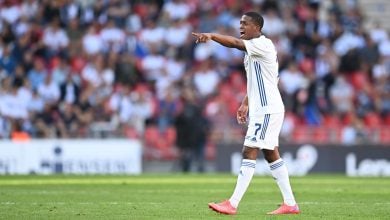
x: 244, y: 178
x: 280, y: 174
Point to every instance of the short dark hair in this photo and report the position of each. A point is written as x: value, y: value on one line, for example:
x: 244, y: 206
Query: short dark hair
x: 256, y: 18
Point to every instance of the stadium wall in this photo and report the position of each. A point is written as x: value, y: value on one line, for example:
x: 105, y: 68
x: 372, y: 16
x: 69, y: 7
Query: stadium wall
x: 367, y: 160
x: 113, y: 156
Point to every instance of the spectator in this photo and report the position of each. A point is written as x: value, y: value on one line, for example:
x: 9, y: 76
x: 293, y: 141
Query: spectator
x: 84, y: 112
x: 353, y: 133
x: 36, y: 104
x: 117, y: 11
x: 291, y: 80
x: 29, y: 8
x: 113, y: 37
x: 191, y: 132
x: 120, y: 104
x: 11, y: 105
x: 47, y: 123
x: 342, y: 95
x: 176, y: 9
x: 168, y: 107
x: 142, y: 102
x: 60, y: 71
x: 274, y: 23
x: 7, y: 61
x: 10, y: 12
x: 97, y: 74
x: 91, y: 48
x: 206, y: 79
x: 37, y: 75
x: 152, y: 35
x: 69, y: 123
x: 382, y: 89
x: 153, y: 64
x: 378, y: 34
x: 92, y: 41
x: 55, y: 40
x: 177, y: 33
x: 49, y: 91
x: 69, y: 90
x: 126, y: 71
x: 17, y: 132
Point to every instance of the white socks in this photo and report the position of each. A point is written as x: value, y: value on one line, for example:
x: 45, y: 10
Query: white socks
x: 244, y: 178
x: 278, y: 171
x: 280, y: 174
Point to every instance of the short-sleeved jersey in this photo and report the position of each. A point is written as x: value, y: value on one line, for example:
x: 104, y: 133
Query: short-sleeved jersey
x: 262, y: 70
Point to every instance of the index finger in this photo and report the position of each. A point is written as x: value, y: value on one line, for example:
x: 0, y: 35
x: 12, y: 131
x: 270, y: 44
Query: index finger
x: 196, y: 34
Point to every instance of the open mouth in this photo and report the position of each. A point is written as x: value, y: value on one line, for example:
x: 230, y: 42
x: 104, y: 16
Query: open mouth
x: 242, y: 33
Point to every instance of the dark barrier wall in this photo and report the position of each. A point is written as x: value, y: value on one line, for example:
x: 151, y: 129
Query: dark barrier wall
x: 366, y: 160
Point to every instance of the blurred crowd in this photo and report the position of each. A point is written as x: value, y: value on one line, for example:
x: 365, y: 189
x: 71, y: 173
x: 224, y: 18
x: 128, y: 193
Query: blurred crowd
x: 113, y: 68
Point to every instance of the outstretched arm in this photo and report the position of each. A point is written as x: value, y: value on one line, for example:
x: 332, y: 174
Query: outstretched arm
x: 227, y: 41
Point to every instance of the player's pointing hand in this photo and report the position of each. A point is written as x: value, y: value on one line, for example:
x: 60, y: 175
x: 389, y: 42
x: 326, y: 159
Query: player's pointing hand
x: 202, y: 37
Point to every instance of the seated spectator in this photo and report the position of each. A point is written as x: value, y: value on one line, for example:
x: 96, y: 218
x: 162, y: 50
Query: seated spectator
x: 206, y: 79
x: 176, y: 9
x: 29, y: 8
x: 175, y: 66
x: 113, y: 37
x: 11, y: 105
x: 275, y: 25
x: 60, y: 70
x: 96, y: 73
x: 48, y: 123
x: 153, y: 64
x: 342, y: 95
x: 37, y: 75
x: 18, y: 134
x: 55, y: 39
x: 167, y: 108
x: 177, y: 33
x: 69, y: 90
x: 291, y: 80
x: 49, y: 91
x: 92, y: 41
x: 7, y: 61
x: 10, y: 12
x: 36, y: 104
x: 70, y: 123
x: 152, y: 35
x: 353, y: 133
x: 378, y: 33
x: 117, y: 11
x: 143, y: 109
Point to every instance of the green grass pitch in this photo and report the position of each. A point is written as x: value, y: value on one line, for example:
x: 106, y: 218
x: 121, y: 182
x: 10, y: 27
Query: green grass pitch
x: 181, y: 196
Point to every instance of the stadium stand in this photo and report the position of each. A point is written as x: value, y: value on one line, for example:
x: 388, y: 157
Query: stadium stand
x: 111, y: 68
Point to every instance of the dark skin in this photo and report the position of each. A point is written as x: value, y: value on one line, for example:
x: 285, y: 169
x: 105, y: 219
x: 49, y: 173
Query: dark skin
x: 248, y: 30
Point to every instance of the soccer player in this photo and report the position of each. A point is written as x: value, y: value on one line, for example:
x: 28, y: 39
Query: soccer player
x: 262, y: 108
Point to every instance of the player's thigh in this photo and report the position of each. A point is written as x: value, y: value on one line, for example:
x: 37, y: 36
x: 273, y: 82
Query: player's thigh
x: 263, y: 131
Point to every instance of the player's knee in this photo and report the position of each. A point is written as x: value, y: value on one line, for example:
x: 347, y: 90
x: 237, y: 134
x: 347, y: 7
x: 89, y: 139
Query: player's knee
x: 271, y: 155
x: 249, y: 153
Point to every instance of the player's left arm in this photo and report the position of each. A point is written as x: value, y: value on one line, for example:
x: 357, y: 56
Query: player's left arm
x: 225, y: 40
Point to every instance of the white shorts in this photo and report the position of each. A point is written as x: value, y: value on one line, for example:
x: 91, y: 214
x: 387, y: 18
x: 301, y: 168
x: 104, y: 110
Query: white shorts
x: 263, y: 131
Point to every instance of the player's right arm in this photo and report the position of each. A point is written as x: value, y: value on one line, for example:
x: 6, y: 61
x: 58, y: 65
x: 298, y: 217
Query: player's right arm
x: 242, y: 112
x: 225, y: 40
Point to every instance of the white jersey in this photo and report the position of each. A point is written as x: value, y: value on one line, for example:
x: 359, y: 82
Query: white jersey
x: 262, y: 70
